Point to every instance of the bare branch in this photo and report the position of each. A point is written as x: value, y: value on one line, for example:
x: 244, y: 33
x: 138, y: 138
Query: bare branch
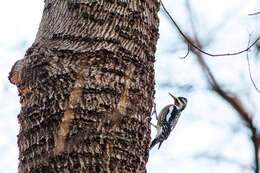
x: 188, y: 52
x: 237, y: 105
x: 249, y: 69
x: 229, y: 97
x: 199, y: 49
x: 252, y: 14
x: 233, y: 101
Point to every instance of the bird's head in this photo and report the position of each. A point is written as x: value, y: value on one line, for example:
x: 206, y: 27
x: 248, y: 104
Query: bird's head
x: 179, y: 102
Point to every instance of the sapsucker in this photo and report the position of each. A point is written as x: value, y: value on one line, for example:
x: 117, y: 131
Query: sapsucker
x: 167, y: 119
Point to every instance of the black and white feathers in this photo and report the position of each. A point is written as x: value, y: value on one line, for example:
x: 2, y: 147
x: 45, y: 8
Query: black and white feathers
x: 167, y: 119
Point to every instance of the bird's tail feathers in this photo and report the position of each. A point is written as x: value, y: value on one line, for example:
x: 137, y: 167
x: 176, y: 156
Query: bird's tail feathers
x: 154, y: 142
x: 159, y: 145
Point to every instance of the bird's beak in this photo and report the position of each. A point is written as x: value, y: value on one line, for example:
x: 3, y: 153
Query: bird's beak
x: 172, y: 96
x: 175, y: 99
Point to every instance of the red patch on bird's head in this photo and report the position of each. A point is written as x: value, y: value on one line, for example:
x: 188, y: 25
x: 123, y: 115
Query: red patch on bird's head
x: 176, y: 102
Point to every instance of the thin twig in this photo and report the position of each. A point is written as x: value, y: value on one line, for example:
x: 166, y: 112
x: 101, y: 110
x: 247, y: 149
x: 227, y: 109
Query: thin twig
x: 188, y: 52
x: 199, y: 49
x: 252, y: 14
x: 249, y: 69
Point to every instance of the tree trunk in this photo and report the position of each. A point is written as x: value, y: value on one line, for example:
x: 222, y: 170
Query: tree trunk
x: 86, y: 87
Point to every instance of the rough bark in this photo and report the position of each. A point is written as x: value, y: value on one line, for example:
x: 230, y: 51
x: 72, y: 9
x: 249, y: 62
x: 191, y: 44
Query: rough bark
x: 86, y: 87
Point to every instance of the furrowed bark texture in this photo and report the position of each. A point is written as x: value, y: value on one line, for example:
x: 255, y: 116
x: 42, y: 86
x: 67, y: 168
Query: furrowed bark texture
x: 86, y: 87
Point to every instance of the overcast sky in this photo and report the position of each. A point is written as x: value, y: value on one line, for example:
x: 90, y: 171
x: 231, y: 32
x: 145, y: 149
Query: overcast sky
x: 205, y: 126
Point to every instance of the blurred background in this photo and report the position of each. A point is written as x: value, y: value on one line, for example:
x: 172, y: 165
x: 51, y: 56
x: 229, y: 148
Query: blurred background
x: 219, y: 129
